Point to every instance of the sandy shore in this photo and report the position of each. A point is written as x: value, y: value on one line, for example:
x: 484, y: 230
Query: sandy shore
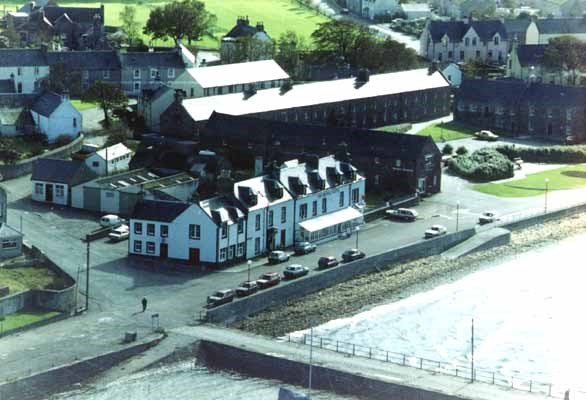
x: 401, y: 281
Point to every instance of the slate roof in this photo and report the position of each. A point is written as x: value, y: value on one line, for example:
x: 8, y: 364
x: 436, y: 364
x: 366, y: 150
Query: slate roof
x: 76, y: 14
x: 238, y: 73
x: 61, y: 171
x: 222, y: 209
x: 517, y: 27
x: 47, y: 103
x: 86, y: 60
x: 561, y: 25
x: 7, y: 86
x: 530, y: 54
x: 162, y: 211
x: 164, y: 59
x: 241, y: 29
x: 22, y: 57
x: 457, y: 29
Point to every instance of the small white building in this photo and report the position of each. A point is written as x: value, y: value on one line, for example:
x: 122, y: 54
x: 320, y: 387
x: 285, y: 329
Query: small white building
x: 54, y: 116
x: 416, y: 10
x: 52, y: 179
x: 110, y: 160
x: 453, y: 73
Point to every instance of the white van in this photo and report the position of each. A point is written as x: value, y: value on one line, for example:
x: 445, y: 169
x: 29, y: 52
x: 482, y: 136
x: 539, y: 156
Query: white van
x: 111, y: 220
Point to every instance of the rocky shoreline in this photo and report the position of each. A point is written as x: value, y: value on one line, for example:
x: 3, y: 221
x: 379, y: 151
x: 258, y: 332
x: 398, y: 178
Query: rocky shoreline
x: 401, y: 280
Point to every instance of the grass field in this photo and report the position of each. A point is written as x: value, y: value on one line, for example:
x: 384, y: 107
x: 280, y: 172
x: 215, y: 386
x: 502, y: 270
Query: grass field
x: 446, y: 132
x: 278, y: 16
x: 570, y: 177
x: 80, y: 105
x: 25, y: 278
x: 20, y: 319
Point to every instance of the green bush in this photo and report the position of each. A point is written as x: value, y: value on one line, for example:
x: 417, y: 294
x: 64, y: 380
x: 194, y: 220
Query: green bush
x: 483, y: 165
x: 448, y: 149
x: 9, y: 156
x: 62, y: 140
x: 461, y: 151
x: 550, y: 154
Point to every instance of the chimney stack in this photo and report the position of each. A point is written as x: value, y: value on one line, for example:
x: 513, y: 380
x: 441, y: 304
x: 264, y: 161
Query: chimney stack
x: 179, y: 95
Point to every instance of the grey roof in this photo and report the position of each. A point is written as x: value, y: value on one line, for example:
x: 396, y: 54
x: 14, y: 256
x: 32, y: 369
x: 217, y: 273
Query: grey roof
x: 87, y: 60
x: 6, y: 231
x: 457, y: 29
x: 516, y: 27
x: 7, y: 86
x: 165, y: 59
x: 10, y: 116
x: 22, y: 57
x: 531, y: 54
x: 76, y: 14
x: 157, y: 210
x: 242, y: 29
x: 47, y: 103
x: 61, y: 171
x: 561, y: 25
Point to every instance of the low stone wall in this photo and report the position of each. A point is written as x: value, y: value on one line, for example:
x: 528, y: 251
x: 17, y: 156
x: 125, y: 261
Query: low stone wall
x: 216, y: 355
x: 545, y: 217
x: 241, y: 308
x: 16, y: 302
x: 24, y: 167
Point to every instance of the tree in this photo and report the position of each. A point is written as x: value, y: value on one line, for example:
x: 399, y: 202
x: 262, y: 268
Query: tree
x: 186, y: 19
x: 61, y: 79
x: 461, y: 151
x: 4, y: 42
x: 119, y: 135
x: 107, y: 96
x: 337, y: 36
x: 290, y: 46
x: 448, y: 149
x: 11, y: 33
x: 565, y: 53
x: 130, y: 26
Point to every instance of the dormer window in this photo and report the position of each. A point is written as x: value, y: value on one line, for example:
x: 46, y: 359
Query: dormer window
x: 496, y: 40
x: 473, y: 41
x: 137, y: 74
x: 467, y: 42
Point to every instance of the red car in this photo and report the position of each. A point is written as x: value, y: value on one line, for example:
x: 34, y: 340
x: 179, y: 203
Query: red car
x: 268, y: 279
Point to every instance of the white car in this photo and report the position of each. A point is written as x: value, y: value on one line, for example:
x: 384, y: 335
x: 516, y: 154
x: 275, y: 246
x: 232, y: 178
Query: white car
x: 486, y: 135
x: 435, y: 231
x: 119, y: 233
x: 111, y: 220
x: 487, y: 217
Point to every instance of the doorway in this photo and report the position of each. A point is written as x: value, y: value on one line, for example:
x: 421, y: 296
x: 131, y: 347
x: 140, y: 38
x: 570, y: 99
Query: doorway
x: 49, y: 193
x: 193, y: 256
x: 283, y: 237
x: 164, y: 250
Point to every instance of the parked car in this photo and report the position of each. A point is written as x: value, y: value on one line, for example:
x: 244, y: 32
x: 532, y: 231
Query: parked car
x: 327, y: 262
x: 278, y: 256
x: 486, y: 135
x: 295, y: 271
x: 344, y: 11
x: 435, y: 231
x: 487, y: 217
x: 220, y: 297
x: 404, y: 214
x: 246, y: 288
x: 268, y: 279
x: 111, y: 220
x: 119, y: 233
x: 304, y: 248
x: 352, y: 255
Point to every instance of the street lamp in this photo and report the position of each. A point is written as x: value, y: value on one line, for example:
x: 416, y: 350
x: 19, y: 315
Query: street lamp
x: 546, y: 187
x: 248, y: 263
x: 457, y: 215
x: 357, y: 230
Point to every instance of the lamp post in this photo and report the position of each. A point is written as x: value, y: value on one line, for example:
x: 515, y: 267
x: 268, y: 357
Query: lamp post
x: 357, y: 230
x: 248, y: 263
x: 546, y: 187
x: 457, y: 215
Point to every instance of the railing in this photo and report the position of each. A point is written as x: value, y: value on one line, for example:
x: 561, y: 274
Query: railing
x: 435, y: 366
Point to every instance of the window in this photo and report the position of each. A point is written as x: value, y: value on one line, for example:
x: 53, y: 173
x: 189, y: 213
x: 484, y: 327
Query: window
x: 137, y: 74
x: 256, y: 246
x: 467, y: 42
x: 531, y: 110
x: 241, y: 225
x: 450, y: 55
x: 270, y: 223
x: 194, y: 231
x: 39, y: 188
x: 138, y: 228
x: 223, y: 254
x: 136, y: 87
x: 151, y: 229
x: 224, y: 230
x: 257, y: 222
x: 220, y: 90
x: 240, y: 250
x: 164, y: 230
x: 9, y: 244
x: 477, y: 53
x: 283, y: 215
x: 106, y: 74
x: 490, y: 54
x: 231, y: 252
x: 355, y: 195
x: 110, y: 195
x: 36, y: 70
x: 314, y: 208
x: 474, y: 42
x: 206, y: 92
x: 324, y: 205
x: 397, y: 163
x: 154, y: 73
x: 95, y: 164
x: 19, y: 71
x: 150, y: 248
x: 341, y: 204
x: 303, y: 211
x: 19, y: 87
x: 462, y: 55
x: 171, y: 73
x: 568, y: 115
x: 137, y: 246
x: 496, y: 40
x: 191, y: 92
x: 75, y: 122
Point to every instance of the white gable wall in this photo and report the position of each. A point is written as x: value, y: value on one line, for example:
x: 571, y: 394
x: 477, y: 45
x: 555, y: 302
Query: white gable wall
x: 65, y: 120
x: 26, y: 76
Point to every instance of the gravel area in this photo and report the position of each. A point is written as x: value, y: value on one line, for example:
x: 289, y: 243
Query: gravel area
x: 401, y: 281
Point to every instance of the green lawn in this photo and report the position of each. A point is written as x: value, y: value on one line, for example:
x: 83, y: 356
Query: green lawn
x: 447, y: 132
x: 570, y: 177
x: 25, y: 278
x: 20, y: 319
x: 278, y: 16
x: 80, y: 105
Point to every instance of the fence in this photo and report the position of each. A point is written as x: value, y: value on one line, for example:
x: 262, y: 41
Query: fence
x: 435, y: 366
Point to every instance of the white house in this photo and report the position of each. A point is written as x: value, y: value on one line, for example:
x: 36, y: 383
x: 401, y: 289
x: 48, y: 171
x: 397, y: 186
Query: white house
x: 453, y: 73
x: 26, y: 67
x: 53, y: 179
x: 54, y: 116
x: 416, y: 10
x: 109, y: 160
x: 372, y: 8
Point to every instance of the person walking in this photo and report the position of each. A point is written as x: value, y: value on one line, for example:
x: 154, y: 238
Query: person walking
x: 144, y: 304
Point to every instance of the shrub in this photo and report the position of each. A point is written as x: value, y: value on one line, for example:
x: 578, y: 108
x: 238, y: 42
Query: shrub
x: 117, y: 136
x: 483, y: 165
x: 36, y: 137
x: 550, y: 154
x: 461, y: 151
x: 9, y: 156
x: 62, y: 140
x: 448, y: 149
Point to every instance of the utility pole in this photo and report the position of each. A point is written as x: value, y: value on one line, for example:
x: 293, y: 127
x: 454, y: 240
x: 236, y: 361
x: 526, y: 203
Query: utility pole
x: 472, y: 358
x: 87, y: 276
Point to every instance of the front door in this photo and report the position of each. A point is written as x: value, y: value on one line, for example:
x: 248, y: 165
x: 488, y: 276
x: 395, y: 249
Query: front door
x: 283, y: 237
x: 193, y: 256
x: 164, y: 250
x: 49, y: 193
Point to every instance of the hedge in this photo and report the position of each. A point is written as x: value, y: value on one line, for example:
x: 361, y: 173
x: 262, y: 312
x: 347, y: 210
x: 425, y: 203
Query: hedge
x: 551, y: 154
x: 483, y: 165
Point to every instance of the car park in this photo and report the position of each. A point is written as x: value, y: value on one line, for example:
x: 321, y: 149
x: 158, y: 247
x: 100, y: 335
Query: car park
x: 119, y: 233
x: 435, y: 231
x: 220, y: 297
x: 246, y: 288
x: 327, y: 262
x: 352, y: 255
x: 487, y: 217
x: 268, y: 279
x: 295, y: 271
x: 403, y: 214
x: 304, y: 248
x: 278, y: 256
x: 111, y: 220
x: 486, y: 135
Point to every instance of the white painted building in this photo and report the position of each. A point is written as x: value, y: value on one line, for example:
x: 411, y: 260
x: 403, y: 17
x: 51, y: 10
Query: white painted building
x: 416, y: 10
x: 52, y: 180
x: 453, y: 73
x: 372, y: 8
x: 54, y: 116
x: 25, y: 66
x: 110, y: 160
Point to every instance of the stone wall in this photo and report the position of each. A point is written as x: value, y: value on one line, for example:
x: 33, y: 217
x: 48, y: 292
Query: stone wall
x: 15, y: 302
x: 24, y: 167
x: 241, y: 308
